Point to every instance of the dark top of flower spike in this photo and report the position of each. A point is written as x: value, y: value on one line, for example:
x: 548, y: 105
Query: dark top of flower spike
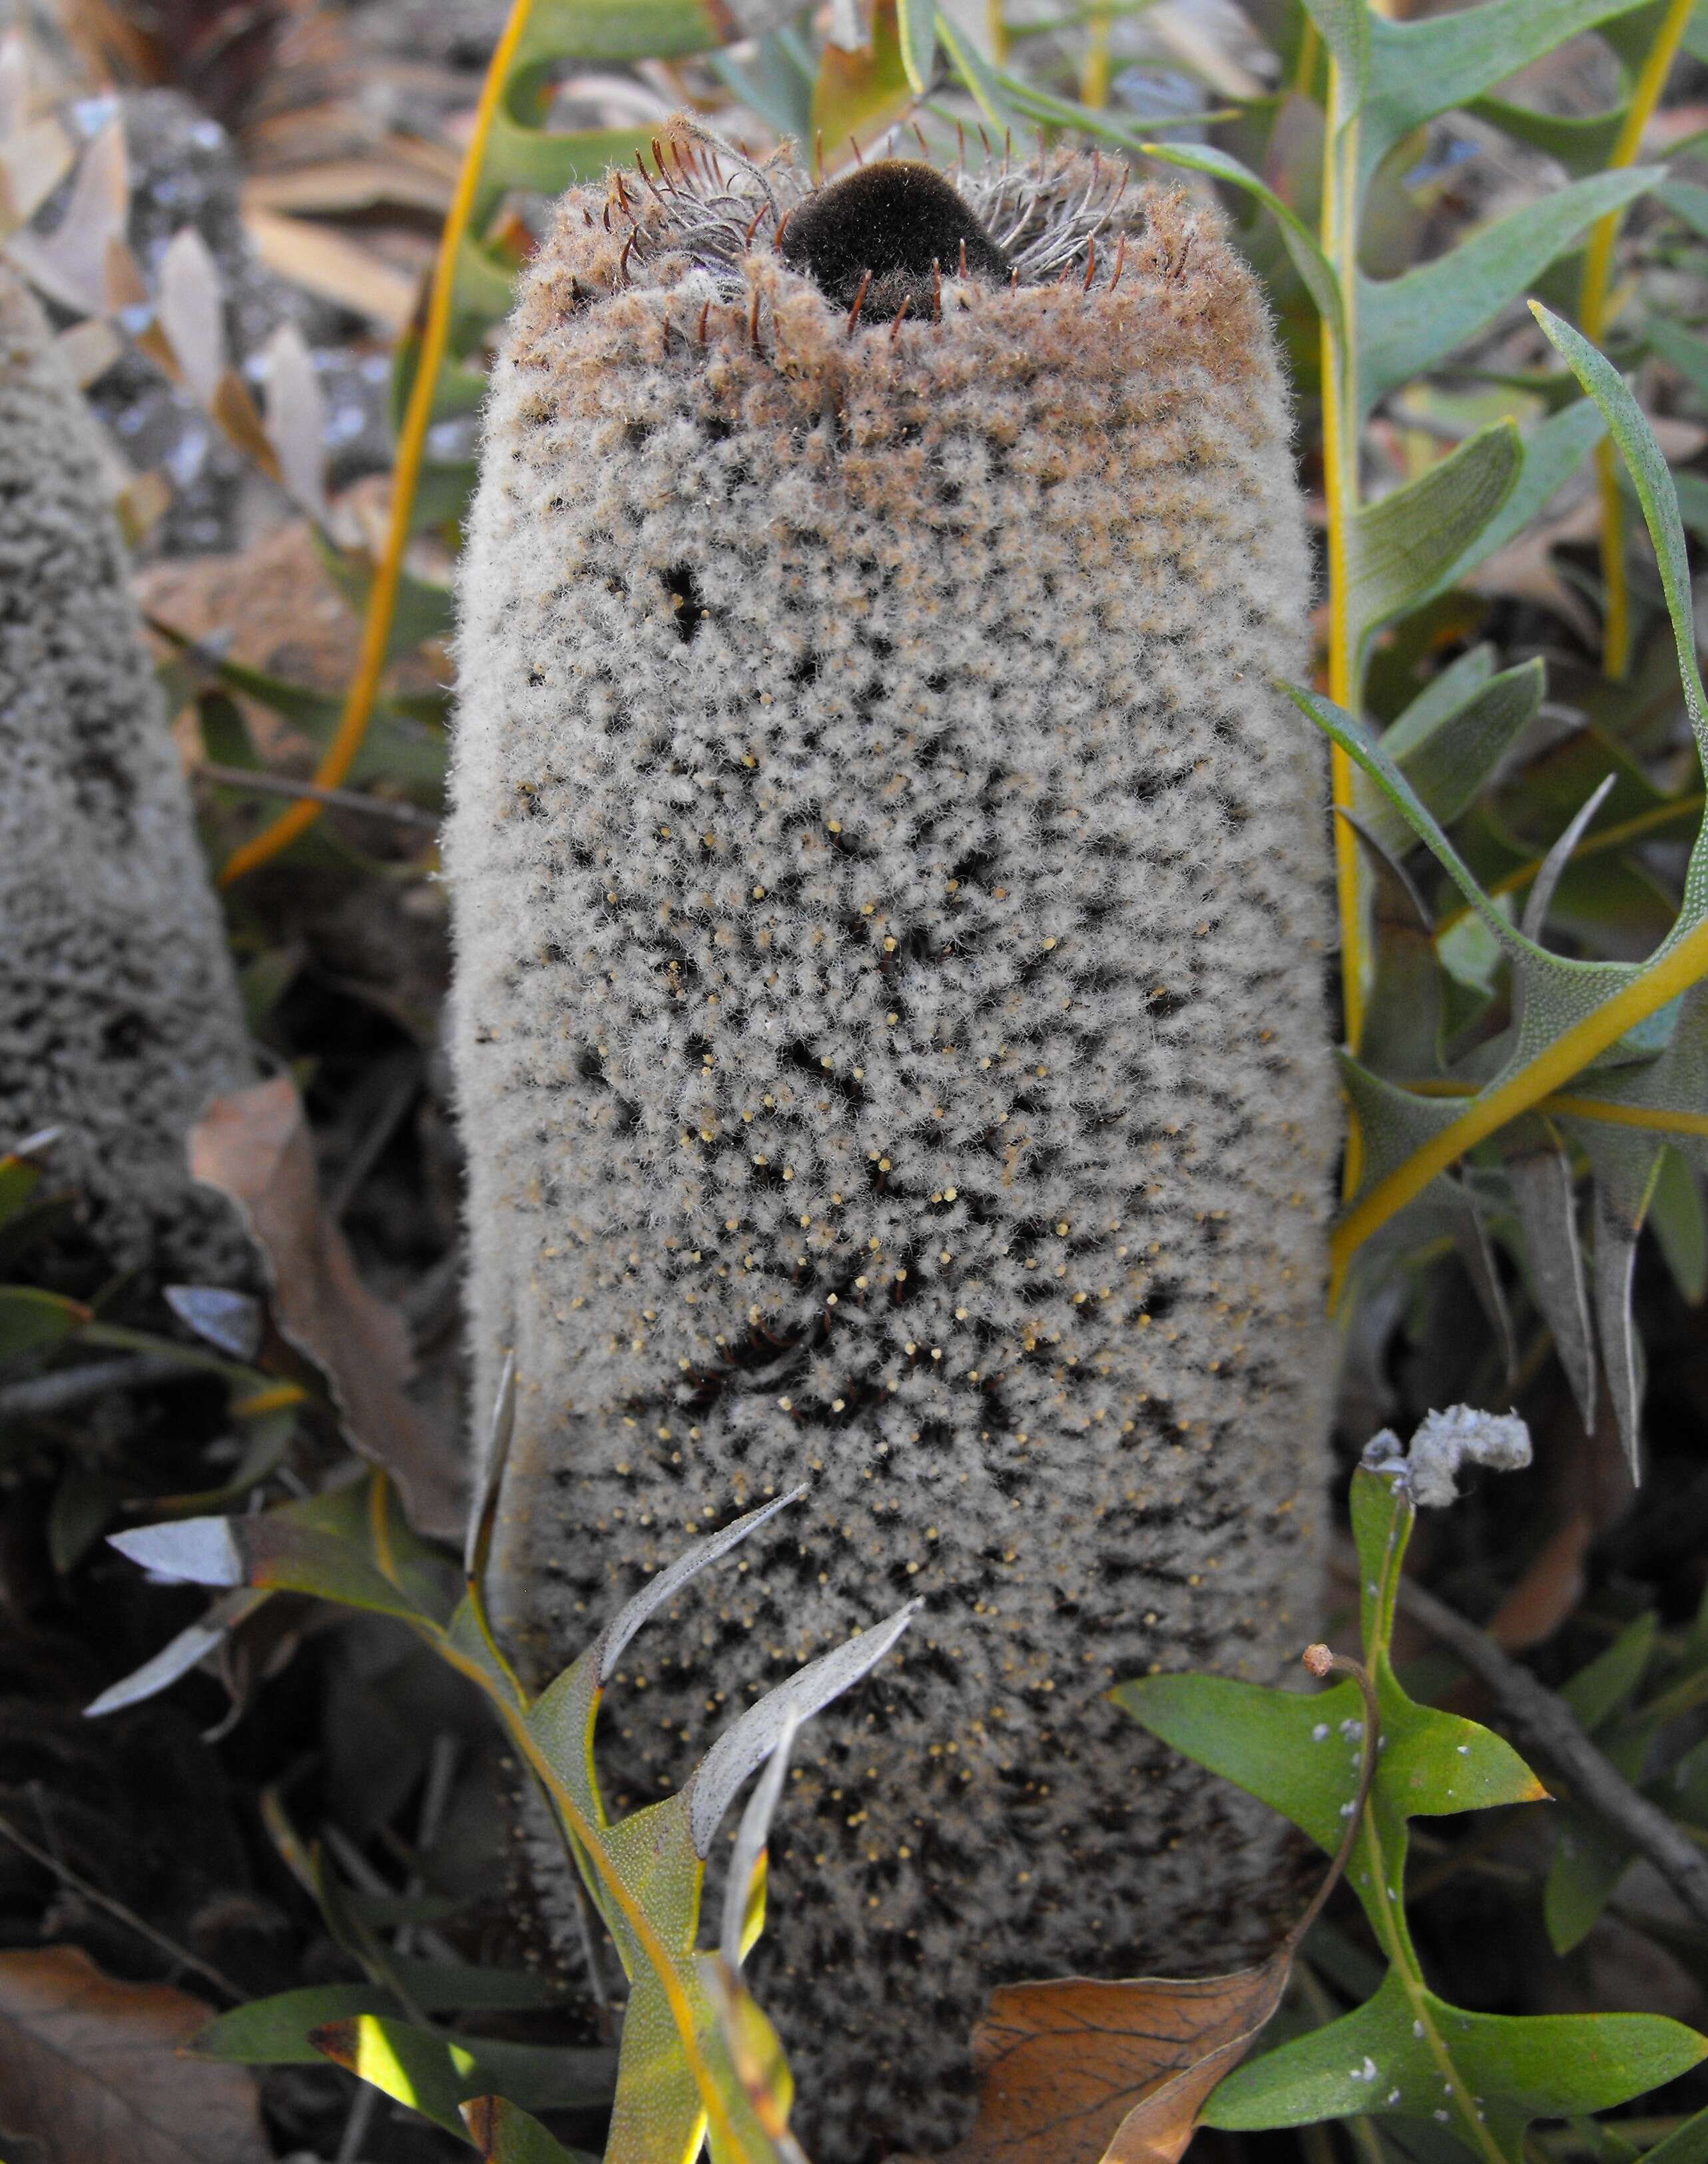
x: 894, y: 220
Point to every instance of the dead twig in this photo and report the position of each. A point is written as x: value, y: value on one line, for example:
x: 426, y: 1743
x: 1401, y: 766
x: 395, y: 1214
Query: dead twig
x: 93, y: 1894
x: 1545, y: 1725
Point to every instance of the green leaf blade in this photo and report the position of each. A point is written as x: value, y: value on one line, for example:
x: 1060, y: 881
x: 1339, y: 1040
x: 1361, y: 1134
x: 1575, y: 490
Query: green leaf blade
x: 1408, y: 323
x: 1401, y: 545
x: 1418, y: 70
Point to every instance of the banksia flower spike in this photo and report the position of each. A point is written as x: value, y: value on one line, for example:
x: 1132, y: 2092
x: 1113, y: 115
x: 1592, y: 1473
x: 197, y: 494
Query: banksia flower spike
x: 119, y: 1015
x: 890, y: 907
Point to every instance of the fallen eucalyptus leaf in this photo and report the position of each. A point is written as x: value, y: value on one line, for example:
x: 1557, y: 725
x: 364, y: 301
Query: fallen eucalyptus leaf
x: 1075, y: 2069
x: 253, y: 1146
x: 90, y: 2070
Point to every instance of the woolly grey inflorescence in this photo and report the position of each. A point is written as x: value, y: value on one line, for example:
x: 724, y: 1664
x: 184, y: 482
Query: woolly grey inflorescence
x: 118, y: 1010
x: 889, y: 914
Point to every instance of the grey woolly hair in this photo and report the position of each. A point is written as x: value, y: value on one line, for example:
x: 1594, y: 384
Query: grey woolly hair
x: 119, y: 1014
x: 889, y: 902
x: 714, y: 204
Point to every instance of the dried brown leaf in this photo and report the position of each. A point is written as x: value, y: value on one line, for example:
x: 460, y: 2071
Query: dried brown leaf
x: 87, y: 349
x: 192, y: 307
x: 339, y: 186
x: 128, y: 301
x: 89, y: 2071
x: 325, y: 262
x: 1082, y: 2072
x: 253, y: 1146
x: 296, y: 420
x: 70, y: 264
x: 33, y: 160
x: 234, y: 409
x: 140, y: 505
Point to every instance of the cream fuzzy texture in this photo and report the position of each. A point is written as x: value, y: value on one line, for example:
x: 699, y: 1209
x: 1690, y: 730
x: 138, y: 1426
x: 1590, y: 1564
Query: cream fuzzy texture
x: 889, y: 907
x: 119, y: 1014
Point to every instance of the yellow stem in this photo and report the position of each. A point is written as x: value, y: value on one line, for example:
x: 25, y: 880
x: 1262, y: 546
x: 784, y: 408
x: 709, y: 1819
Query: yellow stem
x: 1305, y: 68
x: 1616, y: 590
x: 1094, y: 76
x: 1593, y: 313
x: 1607, y: 1109
x: 997, y: 30
x: 340, y: 753
x: 1653, y: 1116
x: 1538, y: 1079
x: 1339, y: 233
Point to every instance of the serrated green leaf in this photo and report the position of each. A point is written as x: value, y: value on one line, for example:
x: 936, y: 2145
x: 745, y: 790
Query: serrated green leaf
x: 1539, y: 1175
x: 1448, y: 759
x: 1625, y: 1166
x: 650, y: 1868
x: 1418, y: 70
x: 1487, y: 2076
x: 1581, y: 141
x: 1345, y: 27
x: 1310, y: 262
x: 1391, y: 783
x: 1554, y: 450
x: 1680, y: 1225
x: 1687, y: 200
x: 1393, y: 1123
x: 1652, y: 482
x: 1408, y: 323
